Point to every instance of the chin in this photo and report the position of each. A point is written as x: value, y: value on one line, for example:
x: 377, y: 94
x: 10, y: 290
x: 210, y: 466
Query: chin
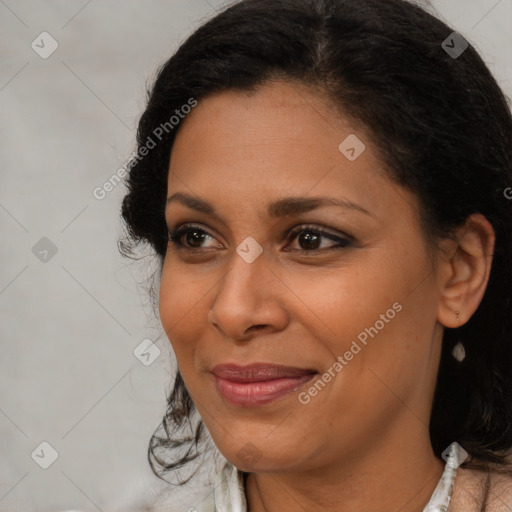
x: 261, y: 456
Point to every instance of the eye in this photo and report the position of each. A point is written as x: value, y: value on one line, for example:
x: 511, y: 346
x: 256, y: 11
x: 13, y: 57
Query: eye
x: 310, y: 238
x: 194, y: 237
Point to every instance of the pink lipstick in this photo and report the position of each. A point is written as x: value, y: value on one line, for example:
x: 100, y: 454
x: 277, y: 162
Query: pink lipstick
x: 258, y: 383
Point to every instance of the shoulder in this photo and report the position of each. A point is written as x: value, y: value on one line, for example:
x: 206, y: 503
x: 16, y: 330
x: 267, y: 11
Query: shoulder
x: 226, y: 493
x: 172, y: 501
x: 500, y: 493
x: 472, y: 487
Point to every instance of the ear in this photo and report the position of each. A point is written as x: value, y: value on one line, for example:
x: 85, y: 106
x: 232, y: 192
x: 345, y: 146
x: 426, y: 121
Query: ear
x: 464, y: 269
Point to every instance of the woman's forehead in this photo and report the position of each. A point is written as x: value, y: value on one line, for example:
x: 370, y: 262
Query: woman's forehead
x: 273, y: 143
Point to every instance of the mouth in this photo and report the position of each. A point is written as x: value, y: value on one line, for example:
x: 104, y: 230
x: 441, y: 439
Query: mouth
x: 259, y: 383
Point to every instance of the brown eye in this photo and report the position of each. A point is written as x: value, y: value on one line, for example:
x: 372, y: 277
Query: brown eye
x: 191, y: 237
x: 194, y: 237
x: 310, y: 239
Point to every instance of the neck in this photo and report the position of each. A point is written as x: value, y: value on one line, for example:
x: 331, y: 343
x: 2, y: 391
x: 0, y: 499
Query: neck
x: 401, y: 475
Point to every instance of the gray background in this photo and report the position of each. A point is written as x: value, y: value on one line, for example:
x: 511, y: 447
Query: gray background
x: 71, y: 323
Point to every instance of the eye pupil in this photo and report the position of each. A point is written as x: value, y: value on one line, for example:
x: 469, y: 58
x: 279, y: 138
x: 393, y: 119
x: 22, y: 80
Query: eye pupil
x: 308, y: 240
x: 194, y: 238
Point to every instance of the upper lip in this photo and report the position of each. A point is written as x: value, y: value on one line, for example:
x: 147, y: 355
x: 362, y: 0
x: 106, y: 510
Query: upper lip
x: 258, y: 372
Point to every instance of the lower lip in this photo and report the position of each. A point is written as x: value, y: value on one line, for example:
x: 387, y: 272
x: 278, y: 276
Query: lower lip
x: 252, y: 394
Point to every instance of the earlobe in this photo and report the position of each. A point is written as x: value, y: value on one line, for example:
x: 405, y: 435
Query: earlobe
x: 464, y: 275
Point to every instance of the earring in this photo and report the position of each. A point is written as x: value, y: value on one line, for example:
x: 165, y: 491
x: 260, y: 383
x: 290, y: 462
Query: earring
x: 459, y: 352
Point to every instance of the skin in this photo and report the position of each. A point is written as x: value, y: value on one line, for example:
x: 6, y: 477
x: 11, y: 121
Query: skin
x: 362, y: 443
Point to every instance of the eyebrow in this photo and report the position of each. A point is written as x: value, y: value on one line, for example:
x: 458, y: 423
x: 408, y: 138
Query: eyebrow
x: 281, y: 208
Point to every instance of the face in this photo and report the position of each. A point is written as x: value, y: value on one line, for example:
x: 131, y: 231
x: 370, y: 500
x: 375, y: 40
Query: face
x: 297, y: 294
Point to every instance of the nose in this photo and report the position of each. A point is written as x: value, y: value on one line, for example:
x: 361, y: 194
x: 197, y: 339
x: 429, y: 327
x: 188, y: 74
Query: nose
x: 249, y: 299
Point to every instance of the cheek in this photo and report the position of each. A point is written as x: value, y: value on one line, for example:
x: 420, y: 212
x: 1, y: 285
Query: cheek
x: 378, y: 314
x: 340, y: 303
x: 183, y: 310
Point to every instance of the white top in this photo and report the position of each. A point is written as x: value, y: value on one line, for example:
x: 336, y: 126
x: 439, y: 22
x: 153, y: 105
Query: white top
x: 228, y: 493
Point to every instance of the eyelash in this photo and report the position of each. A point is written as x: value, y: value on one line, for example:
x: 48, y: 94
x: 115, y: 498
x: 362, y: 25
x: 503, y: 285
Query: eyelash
x: 343, y: 242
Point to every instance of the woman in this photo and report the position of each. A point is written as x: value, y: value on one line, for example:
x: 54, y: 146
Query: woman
x: 325, y: 184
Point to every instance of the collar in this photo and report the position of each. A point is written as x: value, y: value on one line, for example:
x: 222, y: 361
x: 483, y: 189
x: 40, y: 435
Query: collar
x: 229, y: 492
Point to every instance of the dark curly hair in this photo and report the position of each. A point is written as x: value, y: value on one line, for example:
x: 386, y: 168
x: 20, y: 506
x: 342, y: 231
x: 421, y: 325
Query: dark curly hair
x: 440, y: 123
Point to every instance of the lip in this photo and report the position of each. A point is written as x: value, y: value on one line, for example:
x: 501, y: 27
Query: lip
x: 258, y: 383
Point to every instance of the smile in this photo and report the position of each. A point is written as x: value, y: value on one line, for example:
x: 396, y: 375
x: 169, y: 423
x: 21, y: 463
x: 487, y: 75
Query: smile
x: 258, y: 384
